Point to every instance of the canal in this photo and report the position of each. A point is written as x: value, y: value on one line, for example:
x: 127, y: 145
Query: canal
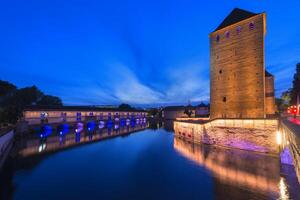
x: 140, y: 163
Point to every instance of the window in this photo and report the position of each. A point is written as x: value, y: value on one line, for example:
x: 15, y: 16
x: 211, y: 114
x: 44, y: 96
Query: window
x: 224, y: 99
x: 220, y: 71
x: 251, y: 26
x: 217, y: 38
x: 227, y: 34
x: 238, y: 30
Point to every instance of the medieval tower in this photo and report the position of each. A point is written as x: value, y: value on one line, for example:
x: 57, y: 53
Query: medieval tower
x: 240, y: 87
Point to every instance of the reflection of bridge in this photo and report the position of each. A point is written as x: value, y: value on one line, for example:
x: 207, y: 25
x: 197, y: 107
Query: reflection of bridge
x: 54, y: 143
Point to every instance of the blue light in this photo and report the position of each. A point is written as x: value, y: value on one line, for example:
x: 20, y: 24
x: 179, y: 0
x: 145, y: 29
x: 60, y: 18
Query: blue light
x: 109, y: 123
x: 101, y: 124
x: 79, y: 127
x: 63, y: 129
x: 45, y: 131
x: 77, y: 137
x: 122, y: 122
x: 91, y: 126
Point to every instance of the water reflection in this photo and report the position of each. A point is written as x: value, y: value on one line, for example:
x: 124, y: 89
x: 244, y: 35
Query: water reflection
x: 65, y: 138
x: 244, y: 170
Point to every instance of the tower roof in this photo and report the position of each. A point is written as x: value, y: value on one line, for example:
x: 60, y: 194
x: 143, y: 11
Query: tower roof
x: 268, y: 74
x: 235, y: 16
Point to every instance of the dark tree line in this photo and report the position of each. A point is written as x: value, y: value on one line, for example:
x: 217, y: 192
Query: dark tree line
x: 295, y: 90
x: 14, y: 100
x: 289, y: 97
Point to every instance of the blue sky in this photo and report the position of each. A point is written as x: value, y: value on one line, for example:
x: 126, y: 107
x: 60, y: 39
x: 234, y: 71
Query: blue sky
x: 131, y: 51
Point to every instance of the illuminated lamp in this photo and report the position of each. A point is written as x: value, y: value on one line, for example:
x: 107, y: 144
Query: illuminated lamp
x: 278, y: 137
x: 45, y: 131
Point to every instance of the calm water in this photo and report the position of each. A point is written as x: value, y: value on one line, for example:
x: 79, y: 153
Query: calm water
x: 146, y: 164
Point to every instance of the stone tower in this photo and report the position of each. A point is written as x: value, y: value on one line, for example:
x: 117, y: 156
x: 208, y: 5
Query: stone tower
x: 237, y: 67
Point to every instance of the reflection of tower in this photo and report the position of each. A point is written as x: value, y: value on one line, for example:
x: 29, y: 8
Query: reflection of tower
x: 236, y: 173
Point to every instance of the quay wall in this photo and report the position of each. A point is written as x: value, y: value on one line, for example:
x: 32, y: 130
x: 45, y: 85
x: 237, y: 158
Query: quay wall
x: 247, y: 134
x: 291, y: 142
x: 6, y: 142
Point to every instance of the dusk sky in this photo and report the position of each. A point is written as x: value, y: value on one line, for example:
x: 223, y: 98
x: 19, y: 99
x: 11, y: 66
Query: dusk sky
x: 92, y: 52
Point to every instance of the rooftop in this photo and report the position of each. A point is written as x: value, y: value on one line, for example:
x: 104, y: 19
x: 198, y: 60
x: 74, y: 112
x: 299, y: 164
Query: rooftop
x: 268, y: 74
x: 78, y: 108
x: 235, y: 16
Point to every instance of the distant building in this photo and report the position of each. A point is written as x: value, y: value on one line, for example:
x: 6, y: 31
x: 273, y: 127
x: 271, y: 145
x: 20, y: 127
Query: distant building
x: 270, y: 96
x: 173, y: 112
x: 58, y: 114
x: 202, y: 110
x: 240, y: 87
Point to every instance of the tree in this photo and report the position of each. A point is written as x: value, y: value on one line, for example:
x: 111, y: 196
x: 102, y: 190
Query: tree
x: 188, y: 110
x: 6, y: 88
x: 13, y: 105
x: 15, y: 100
x: 286, y: 97
x: 49, y: 100
x: 295, y: 91
x: 125, y: 106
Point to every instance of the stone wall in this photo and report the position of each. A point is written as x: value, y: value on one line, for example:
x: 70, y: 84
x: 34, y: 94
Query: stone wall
x: 237, y: 70
x: 251, y: 134
x: 6, y: 142
x: 270, y: 98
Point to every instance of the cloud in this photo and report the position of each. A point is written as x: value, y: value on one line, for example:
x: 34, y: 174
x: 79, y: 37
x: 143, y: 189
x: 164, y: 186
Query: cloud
x: 189, y: 82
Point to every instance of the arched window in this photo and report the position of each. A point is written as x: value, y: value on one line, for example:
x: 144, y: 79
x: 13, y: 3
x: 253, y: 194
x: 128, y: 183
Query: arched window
x: 227, y: 34
x: 251, y: 26
x: 217, y: 38
x: 238, y: 30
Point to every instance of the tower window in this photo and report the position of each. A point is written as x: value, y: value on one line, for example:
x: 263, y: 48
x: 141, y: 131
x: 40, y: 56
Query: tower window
x: 251, y: 26
x: 220, y: 71
x: 238, y: 30
x: 227, y: 34
x: 224, y: 99
x: 217, y: 38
